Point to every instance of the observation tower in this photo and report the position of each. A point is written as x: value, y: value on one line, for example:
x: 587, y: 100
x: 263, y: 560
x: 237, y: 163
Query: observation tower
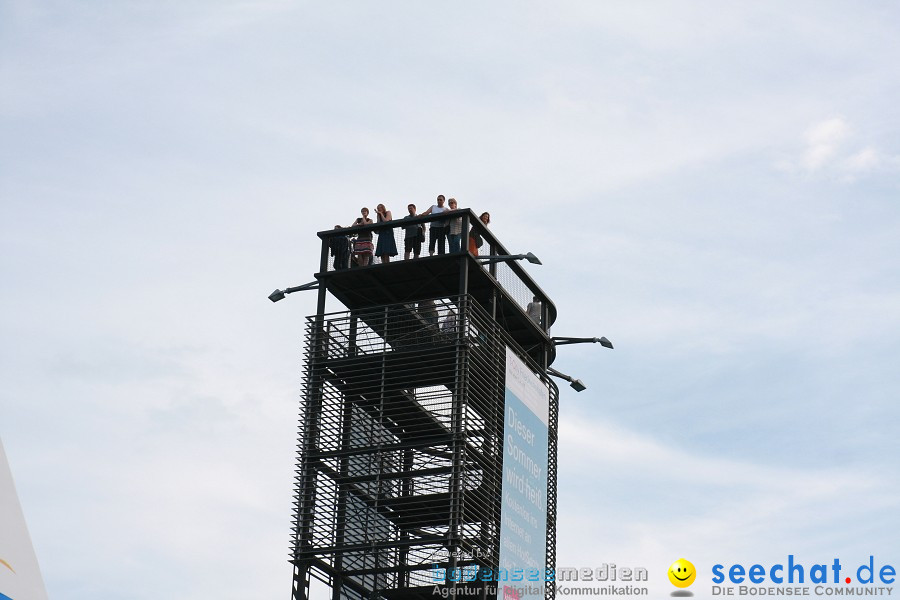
x: 427, y: 449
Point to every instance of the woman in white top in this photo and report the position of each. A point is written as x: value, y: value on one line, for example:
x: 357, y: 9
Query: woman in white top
x: 454, y: 232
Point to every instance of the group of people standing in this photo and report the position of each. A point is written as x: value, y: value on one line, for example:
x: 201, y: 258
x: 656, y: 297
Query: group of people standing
x: 441, y: 234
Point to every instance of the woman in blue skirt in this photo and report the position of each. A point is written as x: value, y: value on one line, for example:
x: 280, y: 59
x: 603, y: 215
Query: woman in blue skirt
x: 386, y: 246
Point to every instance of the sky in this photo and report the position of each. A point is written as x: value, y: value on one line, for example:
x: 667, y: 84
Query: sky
x: 715, y: 189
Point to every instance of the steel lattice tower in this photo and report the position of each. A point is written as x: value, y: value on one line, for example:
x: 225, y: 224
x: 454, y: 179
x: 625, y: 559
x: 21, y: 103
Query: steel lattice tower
x: 401, y: 442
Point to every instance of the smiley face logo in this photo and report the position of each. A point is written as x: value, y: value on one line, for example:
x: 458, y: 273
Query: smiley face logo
x: 682, y: 573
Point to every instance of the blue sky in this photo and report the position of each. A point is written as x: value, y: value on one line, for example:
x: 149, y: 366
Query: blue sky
x: 715, y: 190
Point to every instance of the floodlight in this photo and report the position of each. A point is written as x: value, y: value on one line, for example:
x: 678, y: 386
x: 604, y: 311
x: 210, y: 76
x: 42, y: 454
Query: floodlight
x: 530, y: 257
x: 576, y: 384
x: 279, y: 294
x: 562, y: 341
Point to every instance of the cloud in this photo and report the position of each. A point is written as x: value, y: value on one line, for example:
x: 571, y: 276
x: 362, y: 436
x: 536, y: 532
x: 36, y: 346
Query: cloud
x: 633, y: 500
x: 864, y: 160
x: 168, y: 164
x: 831, y: 148
x: 868, y: 161
x: 624, y: 453
x: 823, y: 142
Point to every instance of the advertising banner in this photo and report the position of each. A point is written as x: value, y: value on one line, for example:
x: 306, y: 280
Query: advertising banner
x: 523, y: 529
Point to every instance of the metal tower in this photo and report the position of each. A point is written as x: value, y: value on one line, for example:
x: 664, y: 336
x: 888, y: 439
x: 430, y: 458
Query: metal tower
x: 406, y: 423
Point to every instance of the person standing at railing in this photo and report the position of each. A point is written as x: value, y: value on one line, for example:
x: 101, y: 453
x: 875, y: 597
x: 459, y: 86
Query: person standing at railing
x: 429, y: 312
x: 534, y: 310
x: 475, y: 239
x: 340, y: 250
x: 413, y: 235
x: 386, y: 247
x: 450, y: 322
x: 438, y: 229
x: 454, y: 229
x: 362, y: 245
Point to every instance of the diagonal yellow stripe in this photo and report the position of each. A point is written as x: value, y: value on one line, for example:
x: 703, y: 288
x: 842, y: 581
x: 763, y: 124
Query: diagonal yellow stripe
x: 6, y: 564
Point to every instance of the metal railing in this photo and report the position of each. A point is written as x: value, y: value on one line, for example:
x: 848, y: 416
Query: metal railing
x: 420, y: 238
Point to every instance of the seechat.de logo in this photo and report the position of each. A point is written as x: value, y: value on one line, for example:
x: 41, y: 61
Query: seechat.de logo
x: 682, y: 573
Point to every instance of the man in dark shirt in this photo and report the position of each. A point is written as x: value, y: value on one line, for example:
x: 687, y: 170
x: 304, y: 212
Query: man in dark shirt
x: 413, y: 235
x: 340, y: 250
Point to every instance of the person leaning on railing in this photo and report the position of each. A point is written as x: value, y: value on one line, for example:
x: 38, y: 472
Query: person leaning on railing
x: 413, y: 235
x: 438, y: 230
x: 454, y: 229
x: 340, y: 250
x: 534, y: 310
x: 475, y: 239
x: 386, y: 247
x: 362, y: 245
